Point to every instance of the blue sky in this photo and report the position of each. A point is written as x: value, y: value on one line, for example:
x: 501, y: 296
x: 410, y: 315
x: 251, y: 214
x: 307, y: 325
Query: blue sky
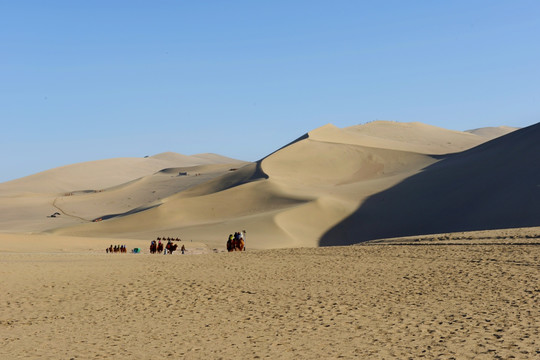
x: 90, y: 80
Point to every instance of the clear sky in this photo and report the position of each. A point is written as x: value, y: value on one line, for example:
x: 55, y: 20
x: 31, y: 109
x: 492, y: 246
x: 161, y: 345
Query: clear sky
x: 90, y: 80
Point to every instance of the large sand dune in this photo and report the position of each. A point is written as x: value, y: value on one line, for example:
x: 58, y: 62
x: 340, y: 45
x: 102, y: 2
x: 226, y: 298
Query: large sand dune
x: 294, y: 196
x: 81, y: 193
x: 495, y: 185
x: 101, y: 174
x: 305, y: 194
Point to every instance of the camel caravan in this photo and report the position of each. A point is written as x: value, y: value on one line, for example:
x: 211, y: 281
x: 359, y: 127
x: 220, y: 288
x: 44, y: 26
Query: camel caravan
x: 157, y: 247
x: 237, y: 242
x: 116, y: 249
x: 122, y: 249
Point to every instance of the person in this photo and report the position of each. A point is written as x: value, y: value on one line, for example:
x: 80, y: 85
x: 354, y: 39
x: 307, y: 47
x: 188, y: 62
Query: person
x: 240, y: 242
x: 183, y: 249
x: 243, y: 235
x: 236, y: 241
x: 230, y: 243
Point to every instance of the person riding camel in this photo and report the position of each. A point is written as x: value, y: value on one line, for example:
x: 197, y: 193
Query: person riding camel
x: 240, y: 243
x: 230, y: 243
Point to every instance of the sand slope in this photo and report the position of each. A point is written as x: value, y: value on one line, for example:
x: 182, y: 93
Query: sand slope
x: 492, y: 186
x: 492, y: 132
x: 295, y: 195
x: 422, y: 138
x: 302, y: 181
x: 370, y: 302
x: 301, y: 195
x: 83, y: 192
x: 100, y: 174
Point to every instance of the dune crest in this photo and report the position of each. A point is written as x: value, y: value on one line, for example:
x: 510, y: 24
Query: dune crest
x: 100, y: 174
x: 492, y: 132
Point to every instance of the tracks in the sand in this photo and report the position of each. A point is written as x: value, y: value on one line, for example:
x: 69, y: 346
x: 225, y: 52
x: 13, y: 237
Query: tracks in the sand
x: 67, y: 214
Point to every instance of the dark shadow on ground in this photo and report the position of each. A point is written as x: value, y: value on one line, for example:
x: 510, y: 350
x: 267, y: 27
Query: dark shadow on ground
x: 493, y: 186
x: 130, y: 212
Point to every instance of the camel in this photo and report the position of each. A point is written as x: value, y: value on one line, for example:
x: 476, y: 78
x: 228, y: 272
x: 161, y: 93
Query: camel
x: 171, y: 247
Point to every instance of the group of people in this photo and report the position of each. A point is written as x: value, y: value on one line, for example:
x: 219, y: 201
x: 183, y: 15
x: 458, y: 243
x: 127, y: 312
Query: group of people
x: 237, y: 242
x: 156, y: 246
x: 116, y: 249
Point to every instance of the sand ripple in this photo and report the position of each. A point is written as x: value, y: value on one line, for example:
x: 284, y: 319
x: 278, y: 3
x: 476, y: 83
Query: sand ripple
x: 460, y: 302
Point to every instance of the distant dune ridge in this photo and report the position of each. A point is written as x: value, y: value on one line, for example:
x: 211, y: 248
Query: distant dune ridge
x: 101, y: 174
x: 331, y: 186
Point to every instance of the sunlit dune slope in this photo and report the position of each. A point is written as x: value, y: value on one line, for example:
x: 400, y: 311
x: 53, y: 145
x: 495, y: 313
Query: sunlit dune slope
x: 139, y: 194
x: 101, y: 174
x: 492, y: 132
x: 193, y: 160
x: 422, y: 138
x: 28, y: 203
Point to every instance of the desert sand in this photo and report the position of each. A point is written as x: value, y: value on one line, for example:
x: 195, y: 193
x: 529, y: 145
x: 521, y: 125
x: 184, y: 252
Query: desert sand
x: 450, y: 296
x: 430, y: 249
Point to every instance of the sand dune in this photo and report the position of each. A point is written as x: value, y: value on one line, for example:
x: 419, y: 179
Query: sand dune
x: 194, y: 160
x: 492, y: 132
x: 74, y: 192
x: 303, y: 179
x: 92, y: 175
x: 294, y: 196
x: 492, y: 186
x: 101, y: 174
x: 422, y: 138
x: 304, y: 194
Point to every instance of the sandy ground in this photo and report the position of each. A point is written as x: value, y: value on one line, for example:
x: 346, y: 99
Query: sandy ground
x: 378, y: 301
x: 466, y: 295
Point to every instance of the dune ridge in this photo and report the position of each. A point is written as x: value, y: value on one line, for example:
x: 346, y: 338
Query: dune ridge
x: 124, y: 185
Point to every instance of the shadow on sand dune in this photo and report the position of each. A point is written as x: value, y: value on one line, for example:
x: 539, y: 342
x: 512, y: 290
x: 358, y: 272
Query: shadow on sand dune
x: 493, y: 186
x: 130, y: 212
